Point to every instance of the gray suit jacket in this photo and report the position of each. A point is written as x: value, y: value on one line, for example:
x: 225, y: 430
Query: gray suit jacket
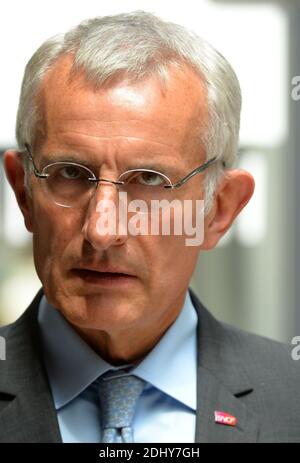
x: 250, y: 377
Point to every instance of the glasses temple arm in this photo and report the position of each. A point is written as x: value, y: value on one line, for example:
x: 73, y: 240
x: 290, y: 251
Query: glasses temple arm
x: 35, y: 169
x: 194, y: 172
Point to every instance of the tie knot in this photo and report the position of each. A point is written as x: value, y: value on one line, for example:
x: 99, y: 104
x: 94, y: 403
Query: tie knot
x: 118, y: 398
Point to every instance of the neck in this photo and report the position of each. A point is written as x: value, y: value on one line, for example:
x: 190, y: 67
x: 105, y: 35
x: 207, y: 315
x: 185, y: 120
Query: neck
x: 125, y: 346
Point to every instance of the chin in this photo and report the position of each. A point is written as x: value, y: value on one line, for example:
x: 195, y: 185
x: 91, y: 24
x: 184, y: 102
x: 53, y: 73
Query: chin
x: 102, y: 315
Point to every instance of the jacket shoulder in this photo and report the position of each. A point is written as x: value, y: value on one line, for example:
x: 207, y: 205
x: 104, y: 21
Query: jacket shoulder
x: 259, y: 353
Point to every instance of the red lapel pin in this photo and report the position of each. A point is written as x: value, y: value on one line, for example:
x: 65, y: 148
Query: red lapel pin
x: 225, y: 418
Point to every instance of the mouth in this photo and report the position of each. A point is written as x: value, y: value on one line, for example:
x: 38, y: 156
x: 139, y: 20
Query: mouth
x: 100, y: 278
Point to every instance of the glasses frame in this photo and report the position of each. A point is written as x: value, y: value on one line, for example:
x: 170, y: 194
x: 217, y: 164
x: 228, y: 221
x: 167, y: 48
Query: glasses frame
x: 94, y: 179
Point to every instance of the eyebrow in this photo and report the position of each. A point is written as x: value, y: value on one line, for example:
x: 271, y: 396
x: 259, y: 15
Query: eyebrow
x: 157, y: 167
x: 49, y: 159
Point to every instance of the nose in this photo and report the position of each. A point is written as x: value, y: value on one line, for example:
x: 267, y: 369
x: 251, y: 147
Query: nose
x: 101, y: 227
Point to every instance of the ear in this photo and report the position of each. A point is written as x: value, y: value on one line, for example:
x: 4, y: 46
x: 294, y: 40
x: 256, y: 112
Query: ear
x: 231, y: 197
x: 15, y: 174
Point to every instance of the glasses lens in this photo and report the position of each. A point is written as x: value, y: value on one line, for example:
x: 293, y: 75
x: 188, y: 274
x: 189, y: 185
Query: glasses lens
x: 144, y: 184
x: 68, y: 183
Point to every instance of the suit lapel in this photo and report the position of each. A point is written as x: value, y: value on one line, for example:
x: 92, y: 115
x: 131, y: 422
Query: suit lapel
x: 214, y: 396
x: 221, y: 385
x: 29, y: 418
x: 27, y: 412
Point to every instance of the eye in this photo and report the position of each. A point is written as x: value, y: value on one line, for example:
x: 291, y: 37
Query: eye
x: 150, y: 179
x: 72, y: 172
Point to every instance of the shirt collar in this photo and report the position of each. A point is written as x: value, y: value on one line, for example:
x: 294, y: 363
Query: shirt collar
x: 175, y: 357
x: 72, y: 365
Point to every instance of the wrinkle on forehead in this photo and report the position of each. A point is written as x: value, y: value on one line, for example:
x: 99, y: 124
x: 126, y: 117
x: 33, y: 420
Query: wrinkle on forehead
x: 117, y: 136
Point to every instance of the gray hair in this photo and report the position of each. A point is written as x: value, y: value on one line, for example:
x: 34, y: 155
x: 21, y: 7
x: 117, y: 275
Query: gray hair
x: 140, y: 44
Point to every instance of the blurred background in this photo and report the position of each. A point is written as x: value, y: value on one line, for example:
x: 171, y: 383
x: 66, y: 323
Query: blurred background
x: 252, y: 279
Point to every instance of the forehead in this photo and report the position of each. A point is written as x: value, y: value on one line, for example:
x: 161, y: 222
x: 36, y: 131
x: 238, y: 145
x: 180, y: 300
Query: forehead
x: 168, y: 115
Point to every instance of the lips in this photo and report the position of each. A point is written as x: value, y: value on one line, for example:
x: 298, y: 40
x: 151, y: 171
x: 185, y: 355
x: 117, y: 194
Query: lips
x: 102, y: 277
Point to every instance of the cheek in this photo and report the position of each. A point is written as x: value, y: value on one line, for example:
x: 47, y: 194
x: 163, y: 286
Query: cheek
x: 54, y: 229
x: 171, y: 262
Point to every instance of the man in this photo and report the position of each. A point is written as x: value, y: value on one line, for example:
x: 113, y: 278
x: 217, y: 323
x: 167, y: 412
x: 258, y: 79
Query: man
x: 115, y: 348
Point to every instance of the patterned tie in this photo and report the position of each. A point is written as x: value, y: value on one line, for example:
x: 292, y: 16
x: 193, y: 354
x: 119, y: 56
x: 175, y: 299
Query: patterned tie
x: 118, y: 398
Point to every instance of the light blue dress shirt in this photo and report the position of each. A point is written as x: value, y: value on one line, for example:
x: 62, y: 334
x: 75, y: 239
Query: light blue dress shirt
x: 166, y: 410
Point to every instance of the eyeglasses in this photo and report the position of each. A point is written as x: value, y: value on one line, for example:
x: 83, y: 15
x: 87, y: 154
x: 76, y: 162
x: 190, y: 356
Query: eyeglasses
x: 70, y: 184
